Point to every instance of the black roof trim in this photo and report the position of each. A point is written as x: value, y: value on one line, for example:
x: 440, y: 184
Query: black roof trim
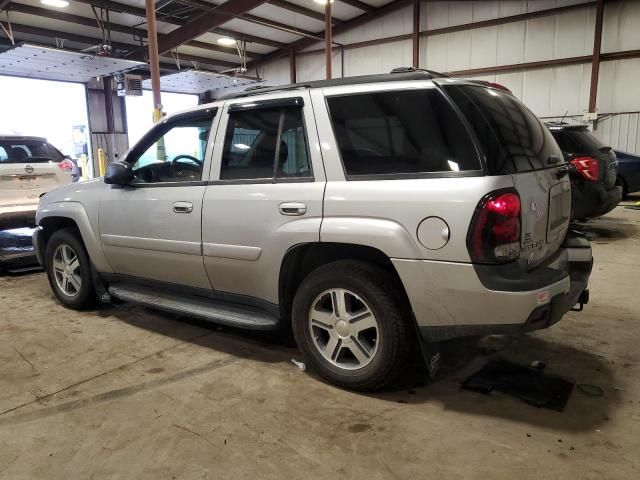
x: 386, y: 77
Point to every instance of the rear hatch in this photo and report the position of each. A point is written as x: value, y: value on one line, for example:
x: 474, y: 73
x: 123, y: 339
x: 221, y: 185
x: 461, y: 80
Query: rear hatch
x: 28, y: 168
x: 515, y: 142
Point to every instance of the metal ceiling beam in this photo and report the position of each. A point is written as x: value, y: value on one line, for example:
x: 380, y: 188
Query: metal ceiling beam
x: 206, y: 22
x: 139, y: 12
x: 307, y: 12
x: 343, y: 27
x: 3, y: 4
x: 71, y: 37
x: 136, y: 32
x: 365, y: 7
x: 207, y: 7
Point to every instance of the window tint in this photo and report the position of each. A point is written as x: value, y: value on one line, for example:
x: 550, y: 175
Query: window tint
x: 256, y: 138
x: 566, y: 144
x: 512, y: 138
x: 585, y: 140
x: 31, y: 151
x: 400, y: 132
x: 176, y: 152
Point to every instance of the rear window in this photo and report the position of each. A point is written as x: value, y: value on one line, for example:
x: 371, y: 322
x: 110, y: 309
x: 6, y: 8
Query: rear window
x: 28, y: 151
x: 400, y: 132
x: 512, y: 138
x: 585, y: 141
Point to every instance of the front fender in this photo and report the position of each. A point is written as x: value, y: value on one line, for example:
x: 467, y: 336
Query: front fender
x: 76, y: 212
x: 388, y: 236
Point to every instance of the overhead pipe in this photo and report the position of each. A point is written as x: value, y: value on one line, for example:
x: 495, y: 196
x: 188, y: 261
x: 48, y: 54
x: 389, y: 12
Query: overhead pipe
x: 154, y: 59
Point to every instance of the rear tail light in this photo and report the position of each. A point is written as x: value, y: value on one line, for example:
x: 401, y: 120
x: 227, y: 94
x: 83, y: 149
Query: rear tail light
x: 587, y: 167
x: 66, y: 165
x: 494, y: 235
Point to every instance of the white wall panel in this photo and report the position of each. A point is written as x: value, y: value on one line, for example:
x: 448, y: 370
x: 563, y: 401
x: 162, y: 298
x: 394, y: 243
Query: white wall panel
x: 549, y: 91
x: 618, y: 86
x: 277, y: 72
x: 621, y: 25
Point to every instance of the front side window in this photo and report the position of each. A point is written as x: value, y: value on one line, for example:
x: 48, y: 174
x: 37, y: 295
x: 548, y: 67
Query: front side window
x: 266, y: 143
x: 176, y: 153
x: 400, y: 132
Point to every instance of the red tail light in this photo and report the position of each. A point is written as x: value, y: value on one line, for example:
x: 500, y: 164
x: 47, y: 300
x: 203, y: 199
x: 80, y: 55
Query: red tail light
x: 66, y: 165
x: 587, y: 167
x: 494, y: 236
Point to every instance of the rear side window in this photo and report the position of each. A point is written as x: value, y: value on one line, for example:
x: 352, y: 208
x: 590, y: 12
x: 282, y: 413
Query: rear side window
x: 512, y: 138
x: 400, y: 132
x: 266, y: 142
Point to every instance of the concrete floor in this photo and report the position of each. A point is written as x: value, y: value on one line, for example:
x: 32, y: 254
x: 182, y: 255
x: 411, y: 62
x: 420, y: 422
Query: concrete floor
x: 125, y: 392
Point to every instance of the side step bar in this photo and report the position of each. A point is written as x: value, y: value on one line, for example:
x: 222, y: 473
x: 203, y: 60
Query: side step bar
x: 233, y: 315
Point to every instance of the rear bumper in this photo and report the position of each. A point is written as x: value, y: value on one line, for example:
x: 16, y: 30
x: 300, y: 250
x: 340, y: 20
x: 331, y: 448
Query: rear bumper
x: 592, y: 200
x: 454, y: 300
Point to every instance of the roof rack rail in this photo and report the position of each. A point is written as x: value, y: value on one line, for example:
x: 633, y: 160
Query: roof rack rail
x: 414, y: 69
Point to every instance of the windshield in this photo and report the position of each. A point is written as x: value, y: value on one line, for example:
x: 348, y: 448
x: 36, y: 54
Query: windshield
x: 28, y: 151
x: 512, y: 138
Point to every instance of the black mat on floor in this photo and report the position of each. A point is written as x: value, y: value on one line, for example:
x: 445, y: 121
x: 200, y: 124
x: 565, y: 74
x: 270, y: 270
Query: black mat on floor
x: 533, y: 386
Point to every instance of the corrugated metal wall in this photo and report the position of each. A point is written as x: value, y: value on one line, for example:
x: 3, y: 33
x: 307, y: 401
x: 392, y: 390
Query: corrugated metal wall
x: 549, y: 92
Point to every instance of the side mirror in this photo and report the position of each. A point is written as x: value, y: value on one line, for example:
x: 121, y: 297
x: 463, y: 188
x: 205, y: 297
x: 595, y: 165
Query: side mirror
x: 118, y: 173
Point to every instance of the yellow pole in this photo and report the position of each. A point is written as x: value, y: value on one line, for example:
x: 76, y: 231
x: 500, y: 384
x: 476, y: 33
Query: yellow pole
x: 83, y: 167
x: 102, y: 162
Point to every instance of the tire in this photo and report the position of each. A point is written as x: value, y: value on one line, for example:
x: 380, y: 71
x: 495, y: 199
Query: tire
x: 364, y: 360
x: 80, y: 293
x: 621, y: 183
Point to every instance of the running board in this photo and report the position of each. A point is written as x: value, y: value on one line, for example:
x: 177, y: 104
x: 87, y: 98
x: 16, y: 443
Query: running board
x: 230, y: 314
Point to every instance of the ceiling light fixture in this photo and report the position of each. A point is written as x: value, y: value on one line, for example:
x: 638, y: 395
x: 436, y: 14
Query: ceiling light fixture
x: 55, y: 3
x: 323, y: 2
x: 226, y: 41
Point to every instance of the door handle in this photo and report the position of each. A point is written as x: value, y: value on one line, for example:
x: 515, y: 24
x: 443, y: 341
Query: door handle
x: 292, y: 208
x: 183, y: 207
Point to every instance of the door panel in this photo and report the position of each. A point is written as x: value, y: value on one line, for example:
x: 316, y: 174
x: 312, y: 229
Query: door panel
x: 152, y: 228
x: 249, y: 224
x: 149, y: 239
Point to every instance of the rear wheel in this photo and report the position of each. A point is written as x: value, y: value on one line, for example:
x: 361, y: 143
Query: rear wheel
x: 69, y: 270
x: 349, y: 326
x: 621, y: 183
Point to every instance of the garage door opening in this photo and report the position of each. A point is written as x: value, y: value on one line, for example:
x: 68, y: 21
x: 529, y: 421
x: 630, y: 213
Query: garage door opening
x: 140, y: 111
x: 46, y: 108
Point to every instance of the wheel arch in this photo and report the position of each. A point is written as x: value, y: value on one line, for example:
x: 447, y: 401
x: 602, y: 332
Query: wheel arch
x: 71, y: 215
x: 300, y: 260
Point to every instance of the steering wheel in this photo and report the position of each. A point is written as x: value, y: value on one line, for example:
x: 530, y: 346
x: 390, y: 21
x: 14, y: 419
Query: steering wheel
x: 188, y: 157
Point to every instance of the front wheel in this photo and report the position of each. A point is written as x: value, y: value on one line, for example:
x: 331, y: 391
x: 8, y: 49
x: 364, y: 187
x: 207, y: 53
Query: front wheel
x: 348, y: 324
x: 69, y: 270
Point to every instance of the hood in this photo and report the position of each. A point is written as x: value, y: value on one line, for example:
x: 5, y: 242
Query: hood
x: 74, y: 192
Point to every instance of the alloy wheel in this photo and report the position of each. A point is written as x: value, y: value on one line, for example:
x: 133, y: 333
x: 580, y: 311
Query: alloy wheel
x: 344, y: 329
x: 66, y: 270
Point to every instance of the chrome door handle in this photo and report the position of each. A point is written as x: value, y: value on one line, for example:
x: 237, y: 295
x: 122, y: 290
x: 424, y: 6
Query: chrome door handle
x: 292, y: 208
x: 183, y: 207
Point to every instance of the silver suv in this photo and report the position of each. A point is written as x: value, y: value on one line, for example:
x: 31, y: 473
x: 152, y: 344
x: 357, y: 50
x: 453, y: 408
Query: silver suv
x: 369, y: 214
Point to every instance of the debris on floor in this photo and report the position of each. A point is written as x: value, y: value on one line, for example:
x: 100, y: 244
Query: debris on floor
x: 299, y: 364
x: 532, y: 386
x: 591, y: 390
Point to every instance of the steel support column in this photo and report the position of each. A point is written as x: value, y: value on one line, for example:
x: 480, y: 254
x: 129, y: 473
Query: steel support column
x: 595, y: 62
x: 292, y: 66
x: 416, y: 33
x: 327, y: 38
